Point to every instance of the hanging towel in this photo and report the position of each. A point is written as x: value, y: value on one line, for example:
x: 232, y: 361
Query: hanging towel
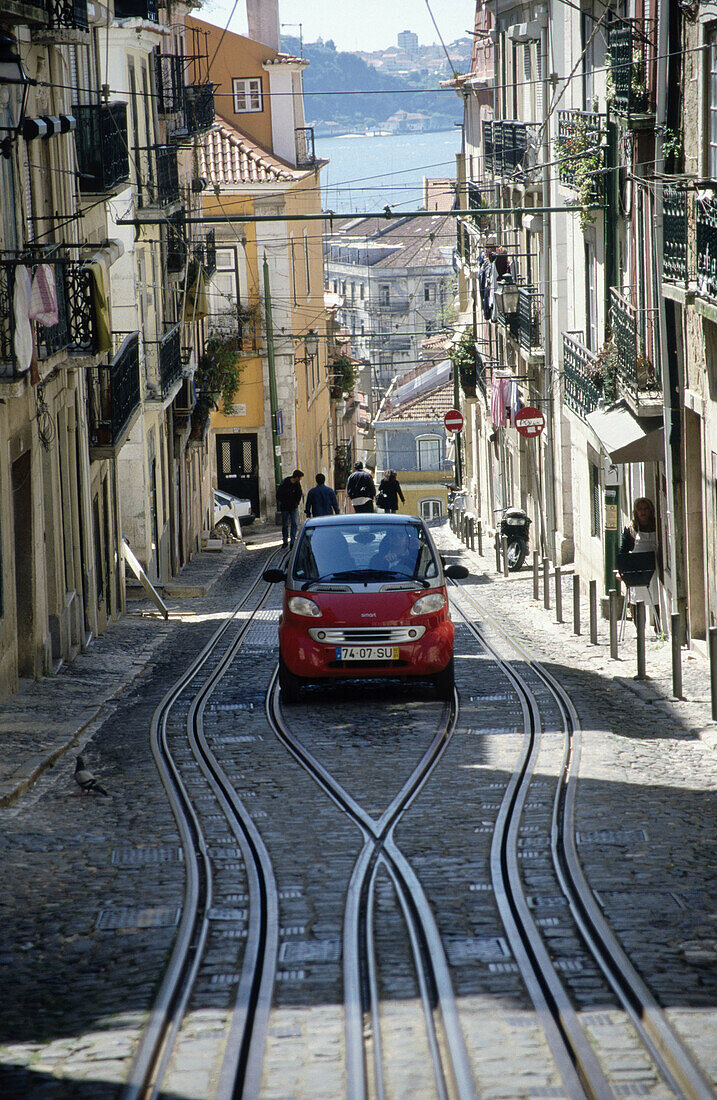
x: 196, y: 303
x: 43, y: 296
x: 23, y: 339
x: 512, y: 398
x: 101, y: 307
x: 497, y: 401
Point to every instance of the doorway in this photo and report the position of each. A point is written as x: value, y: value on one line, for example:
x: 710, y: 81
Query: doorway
x: 24, y: 595
x: 238, y: 467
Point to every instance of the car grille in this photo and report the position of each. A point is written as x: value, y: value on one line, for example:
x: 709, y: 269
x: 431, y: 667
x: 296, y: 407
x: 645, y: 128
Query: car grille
x: 366, y: 635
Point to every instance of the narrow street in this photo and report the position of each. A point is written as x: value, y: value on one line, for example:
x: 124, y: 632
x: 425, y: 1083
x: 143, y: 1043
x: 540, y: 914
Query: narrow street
x: 370, y: 893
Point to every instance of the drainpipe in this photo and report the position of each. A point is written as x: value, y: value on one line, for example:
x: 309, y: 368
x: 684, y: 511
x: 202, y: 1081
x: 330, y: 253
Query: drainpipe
x: 274, y: 405
x: 547, y: 395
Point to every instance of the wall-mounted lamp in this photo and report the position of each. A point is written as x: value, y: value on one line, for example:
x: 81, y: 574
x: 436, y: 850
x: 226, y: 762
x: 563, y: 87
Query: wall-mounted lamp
x: 14, y: 84
x: 311, y: 346
x: 507, y: 296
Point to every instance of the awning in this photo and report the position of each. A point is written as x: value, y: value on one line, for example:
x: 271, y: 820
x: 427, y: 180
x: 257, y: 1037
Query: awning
x: 626, y: 438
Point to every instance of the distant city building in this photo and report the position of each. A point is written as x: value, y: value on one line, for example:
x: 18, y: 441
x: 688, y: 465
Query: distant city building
x: 408, y: 41
x: 438, y: 194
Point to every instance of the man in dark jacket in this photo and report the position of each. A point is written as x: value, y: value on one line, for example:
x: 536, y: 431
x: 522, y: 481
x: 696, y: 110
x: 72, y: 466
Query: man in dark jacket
x: 360, y: 489
x: 288, y: 497
x: 321, y: 500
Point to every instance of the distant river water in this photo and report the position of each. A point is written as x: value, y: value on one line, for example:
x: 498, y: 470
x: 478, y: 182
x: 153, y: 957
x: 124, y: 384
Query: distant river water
x: 368, y: 173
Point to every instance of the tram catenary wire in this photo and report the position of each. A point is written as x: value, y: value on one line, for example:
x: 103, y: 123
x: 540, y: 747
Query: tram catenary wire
x: 670, y: 1057
x: 246, y: 1039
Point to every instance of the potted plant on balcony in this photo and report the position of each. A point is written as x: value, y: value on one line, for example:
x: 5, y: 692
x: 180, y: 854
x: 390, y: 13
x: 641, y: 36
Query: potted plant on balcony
x: 342, y: 376
x: 219, y: 371
x: 463, y: 357
x: 602, y: 371
x: 580, y: 159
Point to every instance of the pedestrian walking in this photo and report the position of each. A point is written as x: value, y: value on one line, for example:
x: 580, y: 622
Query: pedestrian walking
x: 360, y: 489
x: 321, y: 500
x: 288, y: 498
x: 388, y: 492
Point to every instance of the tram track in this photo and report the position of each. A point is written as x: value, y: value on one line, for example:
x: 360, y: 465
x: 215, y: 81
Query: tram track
x: 241, y: 1065
x: 575, y: 1057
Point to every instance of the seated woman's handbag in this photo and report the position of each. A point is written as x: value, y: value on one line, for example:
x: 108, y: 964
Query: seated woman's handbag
x: 637, y: 567
x: 381, y: 500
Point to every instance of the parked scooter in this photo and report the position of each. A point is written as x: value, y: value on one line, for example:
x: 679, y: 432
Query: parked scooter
x: 515, y: 526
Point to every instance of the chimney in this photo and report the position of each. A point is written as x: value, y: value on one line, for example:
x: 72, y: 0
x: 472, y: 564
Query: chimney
x: 263, y: 20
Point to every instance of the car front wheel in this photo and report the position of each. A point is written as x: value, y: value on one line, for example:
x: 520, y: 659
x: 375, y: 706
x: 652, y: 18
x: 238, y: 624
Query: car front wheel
x: 289, y: 684
x: 444, y: 682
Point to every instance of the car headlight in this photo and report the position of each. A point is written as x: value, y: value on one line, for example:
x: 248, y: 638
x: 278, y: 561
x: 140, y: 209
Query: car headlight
x: 427, y: 605
x: 299, y: 605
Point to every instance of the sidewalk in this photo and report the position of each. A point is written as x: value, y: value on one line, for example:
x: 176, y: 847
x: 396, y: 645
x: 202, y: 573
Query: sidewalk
x: 512, y: 597
x: 45, y: 718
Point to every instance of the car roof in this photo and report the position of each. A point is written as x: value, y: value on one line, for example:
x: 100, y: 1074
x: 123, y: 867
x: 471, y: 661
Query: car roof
x: 380, y: 519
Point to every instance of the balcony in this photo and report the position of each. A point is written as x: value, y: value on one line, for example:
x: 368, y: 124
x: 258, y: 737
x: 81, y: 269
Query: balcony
x: 205, y: 253
x: 165, y: 363
x: 675, y: 256
x: 706, y: 226
x: 137, y: 9
x: 199, y: 108
x: 631, y: 43
x: 169, y: 77
x: 583, y: 385
x: 391, y: 304
x: 67, y: 23
x: 74, y: 331
x: 176, y: 242
x: 159, y: 188
x: 101, y: 140
x: 113, y: 395
x: 581, y: 149
x: 529, y: 310
x: 634, y: 337
x: 506, y: 145
x: 305, y: 151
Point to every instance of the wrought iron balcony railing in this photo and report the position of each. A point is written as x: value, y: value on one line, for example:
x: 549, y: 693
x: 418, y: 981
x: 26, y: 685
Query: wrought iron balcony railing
x: 137, y: 9
x: 67, y: 15
x: 529, y: 308
x: 113, y: 394
x: 675, y: 256
x: 391, y: 304
x: 706, y: 228
x: 167, y: 361
x: 160, y: 187
x: 305, y: 150
x: 583, y: 386
x: 101, y: 140
x: 634, y: 335
x: 74, y: 331
x: 199, y: 108
x: 631, y: 43
x: 506, y: 145
x: 580, y: 148
x: 169, y: 77
x: 205, y: 253
x: 176, y: 242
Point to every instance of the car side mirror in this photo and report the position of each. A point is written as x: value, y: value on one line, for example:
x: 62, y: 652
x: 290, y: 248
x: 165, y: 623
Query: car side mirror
x: 274, y: 576
x: 456, y: 572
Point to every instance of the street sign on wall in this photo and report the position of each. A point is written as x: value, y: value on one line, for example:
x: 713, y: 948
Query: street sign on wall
x: 453, y: 420
x: 529, y: 421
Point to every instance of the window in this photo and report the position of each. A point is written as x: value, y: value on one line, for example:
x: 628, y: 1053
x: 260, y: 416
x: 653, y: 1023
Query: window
x: 247, y: 95
x: 307, y: 265
x: 430, y: 509
x: 361, y: 291
x: 595, y: 501
x: 591, y: 304
x: 712, y: 107
x: 429, y: 452
x: 384, y: 294
x: 429, y: 292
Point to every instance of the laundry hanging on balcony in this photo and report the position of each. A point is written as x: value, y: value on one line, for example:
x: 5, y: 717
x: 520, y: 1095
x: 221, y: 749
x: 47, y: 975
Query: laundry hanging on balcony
x: 497, y: 400
x: 101, y: 306
x: 196, y: 301
x: 493, y: 264
x: 43, y: 296
x: 23, y: 337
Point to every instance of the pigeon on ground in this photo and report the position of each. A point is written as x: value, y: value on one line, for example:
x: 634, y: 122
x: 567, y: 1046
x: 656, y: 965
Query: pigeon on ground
x: 86, y: 780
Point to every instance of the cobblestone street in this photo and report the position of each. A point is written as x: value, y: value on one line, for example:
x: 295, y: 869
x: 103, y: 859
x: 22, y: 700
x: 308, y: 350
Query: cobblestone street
x: 94, y: 886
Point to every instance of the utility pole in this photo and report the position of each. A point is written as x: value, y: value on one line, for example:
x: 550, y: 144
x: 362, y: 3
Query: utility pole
x: 274, y: 405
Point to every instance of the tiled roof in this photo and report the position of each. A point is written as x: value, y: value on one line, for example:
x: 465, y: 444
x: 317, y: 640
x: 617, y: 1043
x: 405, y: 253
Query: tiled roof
x: 413, y: 240
x: 286, y: 59
x: 229, y: 156
x: 429, y: 406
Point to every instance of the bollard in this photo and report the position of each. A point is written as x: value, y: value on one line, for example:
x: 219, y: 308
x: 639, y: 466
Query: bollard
x: 462, y: 527
x: 713, y: 669
x: 536, y: 574
x: 546, y: 583
x: 504, y: 545
x: 576, y: 603
x: 558, y: 594
x: 676, y: 627
x: 472, y: 533
x: 497, y: 552
x: 640, y: 626
x: 613, y: 623
x: 593, y: 613
x: 480, y: 538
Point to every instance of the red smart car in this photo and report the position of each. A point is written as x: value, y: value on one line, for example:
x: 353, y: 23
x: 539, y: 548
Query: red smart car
x: 365, y: 596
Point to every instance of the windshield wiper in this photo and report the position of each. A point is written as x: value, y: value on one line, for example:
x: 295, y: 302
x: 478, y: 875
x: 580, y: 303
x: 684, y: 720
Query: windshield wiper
x: 404, y: 576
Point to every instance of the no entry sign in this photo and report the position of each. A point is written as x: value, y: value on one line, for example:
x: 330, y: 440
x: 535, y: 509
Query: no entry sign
x: 453, y: 420
x: 529, y: 421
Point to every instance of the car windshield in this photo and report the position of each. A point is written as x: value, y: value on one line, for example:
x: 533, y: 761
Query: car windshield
x: 366, y: 553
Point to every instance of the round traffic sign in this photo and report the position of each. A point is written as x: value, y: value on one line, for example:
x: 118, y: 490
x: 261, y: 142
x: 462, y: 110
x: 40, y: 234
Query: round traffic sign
x: 453, y: 420
x: 529, y: 421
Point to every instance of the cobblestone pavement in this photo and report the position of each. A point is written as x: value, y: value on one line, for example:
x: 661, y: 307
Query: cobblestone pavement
x: 93, y: 886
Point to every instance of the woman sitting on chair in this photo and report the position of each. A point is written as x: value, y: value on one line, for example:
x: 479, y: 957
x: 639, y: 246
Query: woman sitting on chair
x: 641, y: 538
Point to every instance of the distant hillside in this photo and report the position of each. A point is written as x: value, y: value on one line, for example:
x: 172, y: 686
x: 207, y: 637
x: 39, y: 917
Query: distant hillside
x: 332, y: 71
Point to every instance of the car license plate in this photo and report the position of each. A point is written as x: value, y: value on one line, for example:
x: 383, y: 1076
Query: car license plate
x: 366, y: 653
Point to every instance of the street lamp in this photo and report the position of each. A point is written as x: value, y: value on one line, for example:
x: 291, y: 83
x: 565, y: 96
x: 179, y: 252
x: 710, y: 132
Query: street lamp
x: 14, y: 84
x: 507, y: 295
x: 311, y: 346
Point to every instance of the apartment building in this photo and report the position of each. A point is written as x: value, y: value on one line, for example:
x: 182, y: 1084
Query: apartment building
x: 585, y: 282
